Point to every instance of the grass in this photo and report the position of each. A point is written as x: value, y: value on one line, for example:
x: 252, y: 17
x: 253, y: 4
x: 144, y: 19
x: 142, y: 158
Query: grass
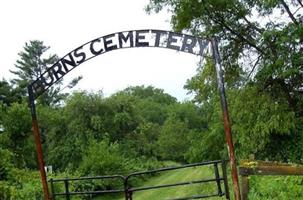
x: 170, y: 177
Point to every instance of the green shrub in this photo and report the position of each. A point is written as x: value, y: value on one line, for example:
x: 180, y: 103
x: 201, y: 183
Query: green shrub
x: 102, y: 158
x: 276, y: 187
x: 23, y: 185
x: 5, y: 164
x: 5, y: 190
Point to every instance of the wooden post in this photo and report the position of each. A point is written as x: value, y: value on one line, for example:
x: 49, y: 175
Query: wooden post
x: 263, y: 168
x: 245, y: 187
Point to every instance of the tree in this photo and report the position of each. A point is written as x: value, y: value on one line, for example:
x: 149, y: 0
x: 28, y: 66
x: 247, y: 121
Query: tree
x: 125, y: 116
x: 270, y: 50
x: 8, y: 94
x: 5, y: 90
x: 173, y: 140
x: 17, y: 135
x: 262, y: 59
x: 260, y: 123
x: 152, y: 93
x: 69, y: 128
x: 152, y: 103
x: 31, y: 64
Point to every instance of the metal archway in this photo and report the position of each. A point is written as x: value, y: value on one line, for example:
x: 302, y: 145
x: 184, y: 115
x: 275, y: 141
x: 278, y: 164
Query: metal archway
x: 129, y: 39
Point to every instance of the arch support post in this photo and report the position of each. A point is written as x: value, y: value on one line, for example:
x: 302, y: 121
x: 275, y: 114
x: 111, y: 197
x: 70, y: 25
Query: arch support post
x: 226, y: 120
x: 38, y: 144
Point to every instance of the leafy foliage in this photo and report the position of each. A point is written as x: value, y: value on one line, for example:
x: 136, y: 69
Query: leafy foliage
x: 8, y: 94
x: 274, y: 187
x: 172, y: 141
x: 17, y: 135
x: 131, y: 130
x: 32, y: 63
x: 6, y: 164
x: 103, y: 158
x: 23, y: 185
x: 262, y: 58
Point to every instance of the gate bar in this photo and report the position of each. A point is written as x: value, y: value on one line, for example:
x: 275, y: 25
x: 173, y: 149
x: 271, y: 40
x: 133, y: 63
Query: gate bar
x: 180, y: 184
x: 128, y: 189
x: 227, y: 126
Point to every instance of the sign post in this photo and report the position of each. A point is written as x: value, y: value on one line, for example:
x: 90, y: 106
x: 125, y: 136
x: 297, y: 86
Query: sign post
x: 227, y: 126
x: 38, y: 144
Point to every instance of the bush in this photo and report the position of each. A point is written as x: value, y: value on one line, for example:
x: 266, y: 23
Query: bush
x: 5, y: 164
x: 23, y: 185
x: 5, y: 190
x: 276, y: 187
x: 102, y: 158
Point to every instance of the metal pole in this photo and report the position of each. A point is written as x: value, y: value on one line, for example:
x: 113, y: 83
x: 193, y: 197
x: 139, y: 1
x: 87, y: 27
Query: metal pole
x: 218, y: 179
x: 225, y: 180
x: 38, y: 144
x: 66, y: 189
x: 53, y: 189
x: 126, y: 188
x: 227, y: 126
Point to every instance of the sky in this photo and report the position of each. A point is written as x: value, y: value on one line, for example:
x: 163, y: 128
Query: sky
x: 66, y: 25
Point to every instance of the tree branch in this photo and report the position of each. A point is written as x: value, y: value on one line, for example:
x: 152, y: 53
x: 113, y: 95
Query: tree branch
x: 222, y: 22
x: 289, y: 12
x: 300, y: 2
x: 254, y: 67
x: 247, y: 21
x: 252, y: 25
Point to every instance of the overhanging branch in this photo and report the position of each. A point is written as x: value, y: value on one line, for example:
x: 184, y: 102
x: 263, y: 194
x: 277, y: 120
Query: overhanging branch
x: 289, y: 12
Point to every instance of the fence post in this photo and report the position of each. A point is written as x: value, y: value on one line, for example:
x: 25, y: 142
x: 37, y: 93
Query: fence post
x: 53, y: 189
x: 130, y: 193
x: 66, y: 190
x: 225, y: 180
x: 126, y: 188
x: 245, y: 187
x: 218, y: 179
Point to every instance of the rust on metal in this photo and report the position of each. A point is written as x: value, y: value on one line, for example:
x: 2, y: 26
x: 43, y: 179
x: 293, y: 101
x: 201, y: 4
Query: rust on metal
x: 40, y: 160
x: 38, y: 145
x: 227, y: 126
